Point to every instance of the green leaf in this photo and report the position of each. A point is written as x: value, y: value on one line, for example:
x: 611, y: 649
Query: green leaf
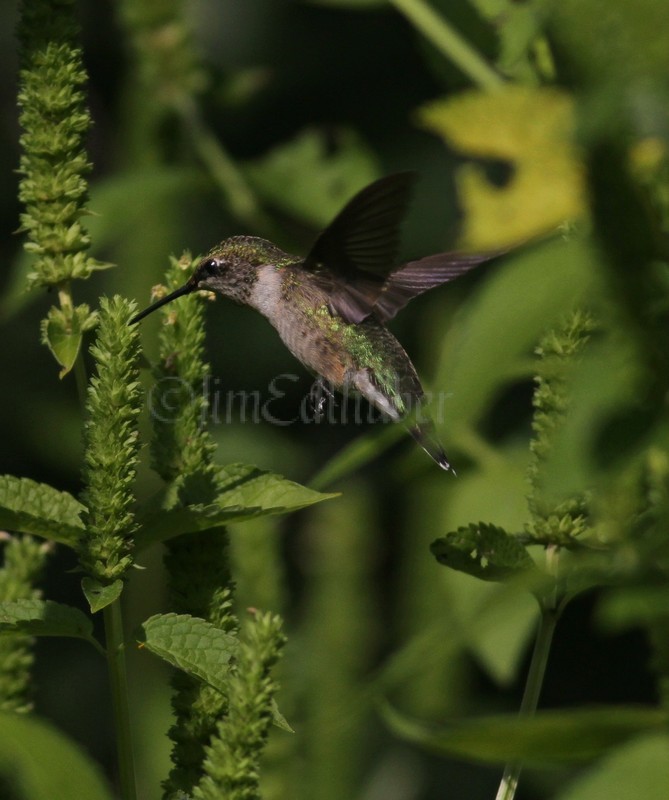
x: 45, y: 618
x: 100, y: 595
x: 517, y: 26
x: 639, y: 769
x: 550, y: 737
x: 244, y: 492
x: 62, y: 332
x: 484, y: 551
x: 39, y: 509
x: 305, y: 178
x: 528, y: 132
x: 191, y: 644
x: 247, y: 486
x: 40, y: 763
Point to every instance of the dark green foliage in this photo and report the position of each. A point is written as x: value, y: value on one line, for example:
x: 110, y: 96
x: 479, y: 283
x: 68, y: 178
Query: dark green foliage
x: 232, y: 763
x: 197, y: 563
x: 24, y: 560
x: 37, y: 508
x: 578, y: 129
x: 111, y: 445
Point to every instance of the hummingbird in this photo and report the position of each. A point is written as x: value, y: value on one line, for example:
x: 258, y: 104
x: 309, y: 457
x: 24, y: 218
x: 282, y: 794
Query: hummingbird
x: 331, y: 307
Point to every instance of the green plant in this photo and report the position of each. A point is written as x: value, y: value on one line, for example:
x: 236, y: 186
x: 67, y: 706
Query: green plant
x: 561, y: 144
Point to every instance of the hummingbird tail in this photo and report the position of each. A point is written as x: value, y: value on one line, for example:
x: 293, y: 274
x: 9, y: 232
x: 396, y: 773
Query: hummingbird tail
x: 426, y: 437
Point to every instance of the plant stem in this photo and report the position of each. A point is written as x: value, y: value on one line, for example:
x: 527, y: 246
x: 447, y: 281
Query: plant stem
x: 535, y: 677
x: 225, y: 172
x: 449, y: 42
x: 113, y: 619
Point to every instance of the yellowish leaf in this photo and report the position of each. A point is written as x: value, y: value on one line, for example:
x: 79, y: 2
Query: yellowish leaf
x: 528, y: 131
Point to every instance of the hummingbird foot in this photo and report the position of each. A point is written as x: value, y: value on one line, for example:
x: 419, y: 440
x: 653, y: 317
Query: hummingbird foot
x: 319, y: 394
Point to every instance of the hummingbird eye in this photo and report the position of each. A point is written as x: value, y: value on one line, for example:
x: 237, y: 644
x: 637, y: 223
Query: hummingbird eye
x: 208, y: 268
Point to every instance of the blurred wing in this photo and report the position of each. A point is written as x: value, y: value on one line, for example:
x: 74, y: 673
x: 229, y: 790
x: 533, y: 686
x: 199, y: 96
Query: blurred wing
x: 417, y: 277
x: 360, y: 245
x: 365, y: 234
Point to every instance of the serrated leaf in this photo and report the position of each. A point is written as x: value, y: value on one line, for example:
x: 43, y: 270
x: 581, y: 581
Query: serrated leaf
x: 39, y: 509
x: 100, y: 595
x: 191, y: 644
x: 40, y: 763
x: 639, y: 769
x: 247, y: 486
x: 160, y: 526
x: 484, y: 551
x: 549, y: 737
x: 62, y: 332
x: 528, y: 133
x: 45, y: 618
x: 308, y: 179
x: 244, y: 492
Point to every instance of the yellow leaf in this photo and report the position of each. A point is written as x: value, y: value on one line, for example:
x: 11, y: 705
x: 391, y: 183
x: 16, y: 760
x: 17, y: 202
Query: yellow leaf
x: 530, y: 132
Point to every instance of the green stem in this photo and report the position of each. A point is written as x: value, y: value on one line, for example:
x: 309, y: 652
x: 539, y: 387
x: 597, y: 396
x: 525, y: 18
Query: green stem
x: 113, y: 619
x: 449, y: 42
x: 238, y: 195
x: 550, y: 613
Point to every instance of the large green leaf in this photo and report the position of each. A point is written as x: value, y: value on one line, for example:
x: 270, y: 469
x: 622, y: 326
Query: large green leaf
x: 550, y: 737
x: 45, y: 618
x: 39, y: 763
x: 244, y: 492
x: 247, y: 486
x: 308, y: 179
x: 39, y: 509
x: 638, y: 769
x: 191, y: 644
x: 528, y: 133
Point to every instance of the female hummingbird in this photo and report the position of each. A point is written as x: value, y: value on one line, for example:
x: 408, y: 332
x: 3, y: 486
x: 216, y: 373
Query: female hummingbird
x: 331, y: 307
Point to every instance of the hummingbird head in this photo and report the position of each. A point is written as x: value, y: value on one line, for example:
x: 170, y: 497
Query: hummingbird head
x: 230, y: 269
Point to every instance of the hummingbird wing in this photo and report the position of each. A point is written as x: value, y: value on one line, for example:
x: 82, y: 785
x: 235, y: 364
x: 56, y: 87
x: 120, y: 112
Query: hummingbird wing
x: 417, y: 277
x: 360, y: 245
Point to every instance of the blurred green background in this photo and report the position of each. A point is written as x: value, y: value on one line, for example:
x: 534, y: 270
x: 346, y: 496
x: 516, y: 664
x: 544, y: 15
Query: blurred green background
x: 310, y: 102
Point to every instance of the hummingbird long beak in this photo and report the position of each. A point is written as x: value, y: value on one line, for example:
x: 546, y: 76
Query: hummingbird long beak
x: 187, y: 288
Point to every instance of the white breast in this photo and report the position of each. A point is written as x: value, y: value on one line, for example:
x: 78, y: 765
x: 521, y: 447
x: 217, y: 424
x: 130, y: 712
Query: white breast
x: 266, y: 293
